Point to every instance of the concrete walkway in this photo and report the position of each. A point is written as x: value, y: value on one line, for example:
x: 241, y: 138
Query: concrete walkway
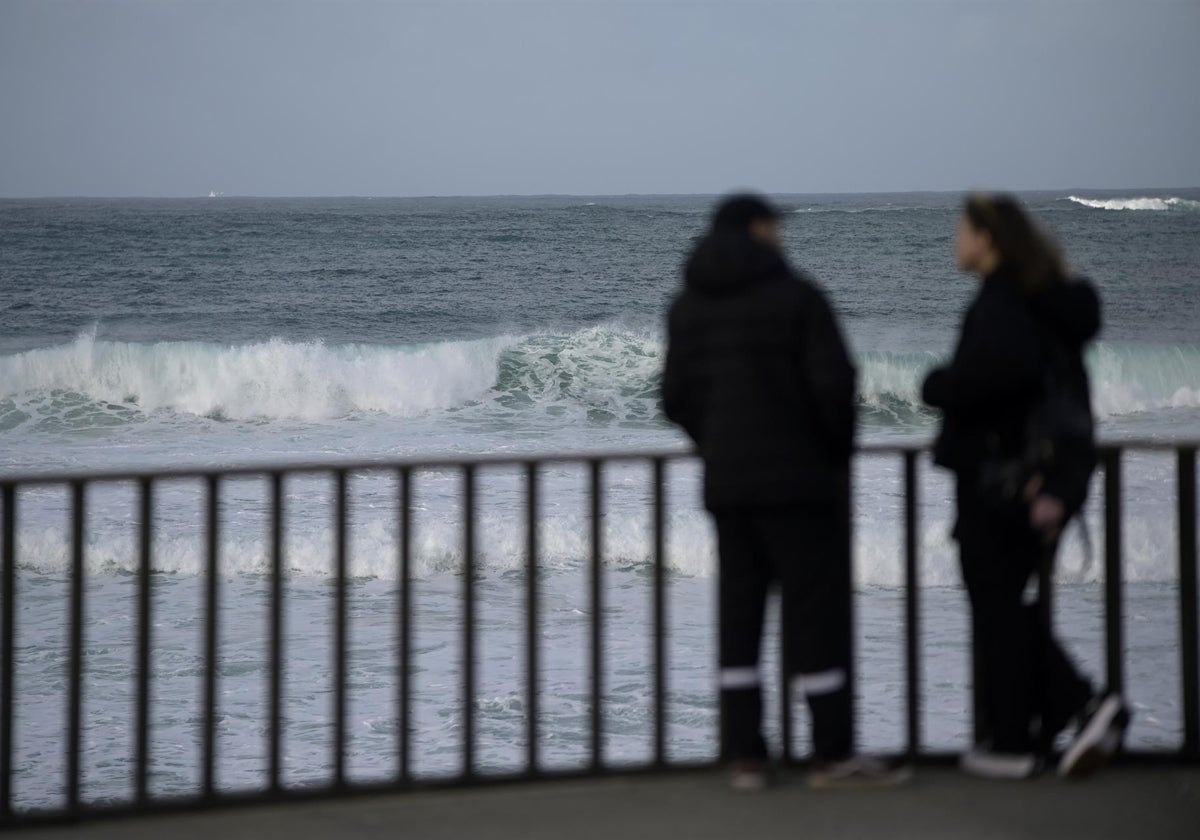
x: 1134, y: 803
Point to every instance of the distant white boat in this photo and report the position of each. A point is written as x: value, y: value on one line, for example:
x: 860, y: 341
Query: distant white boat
x: 212, y: 194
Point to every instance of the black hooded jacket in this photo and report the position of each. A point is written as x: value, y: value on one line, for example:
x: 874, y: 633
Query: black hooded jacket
x: 759, y: 377
x: 999, y: 373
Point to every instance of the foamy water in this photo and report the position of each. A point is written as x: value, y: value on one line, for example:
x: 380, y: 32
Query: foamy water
x: 1145, y: 203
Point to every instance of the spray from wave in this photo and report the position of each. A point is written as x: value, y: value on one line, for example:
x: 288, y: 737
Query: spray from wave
x: 1145, y: 203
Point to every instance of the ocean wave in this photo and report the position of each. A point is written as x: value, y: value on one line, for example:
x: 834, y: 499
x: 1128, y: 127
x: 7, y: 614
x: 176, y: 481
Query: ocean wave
x: 600, y: 374
x: 1133, y: 379
x: 275, y: 379
x: 604, y: 374
x: 1126, y: 379
x: 1144, y: 203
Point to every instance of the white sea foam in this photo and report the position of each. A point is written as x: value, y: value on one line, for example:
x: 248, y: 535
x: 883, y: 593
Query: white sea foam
x: 1143, y: 203
x: 564, y: 543
x: 613, y: 372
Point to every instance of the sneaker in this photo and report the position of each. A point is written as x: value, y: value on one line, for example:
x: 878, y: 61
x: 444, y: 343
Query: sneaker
x: 983, y: 762
x: 749, y: 776
x: 859, y: 771
x: 1101, y: 731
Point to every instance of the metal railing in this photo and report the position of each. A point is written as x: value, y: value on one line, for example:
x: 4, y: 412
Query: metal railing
x: 208, y: 793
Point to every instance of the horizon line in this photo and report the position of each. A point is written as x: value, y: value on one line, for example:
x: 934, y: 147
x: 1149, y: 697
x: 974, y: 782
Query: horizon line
x: 964, y: 191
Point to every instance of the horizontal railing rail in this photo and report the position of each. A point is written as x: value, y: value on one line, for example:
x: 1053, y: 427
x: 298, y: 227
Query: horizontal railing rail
x: 486, y: 460
x: 213, y: 478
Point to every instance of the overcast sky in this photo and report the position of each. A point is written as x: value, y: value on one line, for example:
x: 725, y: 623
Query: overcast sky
x: 176, y: 98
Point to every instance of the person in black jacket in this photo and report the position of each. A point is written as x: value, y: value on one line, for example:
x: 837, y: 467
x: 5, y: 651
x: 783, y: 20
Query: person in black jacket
x: 758, y: 376
x: 1022, y: 465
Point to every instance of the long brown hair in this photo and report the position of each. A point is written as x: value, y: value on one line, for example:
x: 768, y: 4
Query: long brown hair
x: 1024, y: 248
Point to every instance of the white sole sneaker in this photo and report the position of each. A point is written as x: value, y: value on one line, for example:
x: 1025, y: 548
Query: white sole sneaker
x: 748, y: 782
x: 1005, y: 766
x: 749, y: 778
x: 857, y: 773
x: 1097, y: 741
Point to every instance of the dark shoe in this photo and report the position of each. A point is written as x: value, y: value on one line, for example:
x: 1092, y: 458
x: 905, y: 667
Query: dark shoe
x: 1101, y: 731
x: 983, y: 762
x: 859, y: 771
x: 749, y: 776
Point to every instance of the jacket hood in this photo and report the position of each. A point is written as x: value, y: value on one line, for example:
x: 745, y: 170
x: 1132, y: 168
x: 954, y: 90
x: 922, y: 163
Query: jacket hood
x: 726, y: 262
x: 1071, y: 309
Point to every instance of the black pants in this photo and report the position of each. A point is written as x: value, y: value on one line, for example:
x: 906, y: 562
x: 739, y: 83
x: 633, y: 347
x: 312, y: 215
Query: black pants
x: 806, y: 551
x: 1027, y: 687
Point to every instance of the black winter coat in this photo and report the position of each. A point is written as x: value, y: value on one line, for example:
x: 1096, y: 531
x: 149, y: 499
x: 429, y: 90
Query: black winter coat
x: 990, y: 388
x: 759, y: 377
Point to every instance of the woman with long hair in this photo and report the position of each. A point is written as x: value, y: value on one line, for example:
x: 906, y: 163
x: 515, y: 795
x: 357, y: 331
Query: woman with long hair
x: 1017, y: 433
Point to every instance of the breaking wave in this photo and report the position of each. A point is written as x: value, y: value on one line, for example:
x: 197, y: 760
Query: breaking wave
x: 1146, y: 203
x: 274, y: 379
x: 1126, y: 379
x: 602, y: 374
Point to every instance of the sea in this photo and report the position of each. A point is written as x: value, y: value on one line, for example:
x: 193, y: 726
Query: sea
x: 227, y: 331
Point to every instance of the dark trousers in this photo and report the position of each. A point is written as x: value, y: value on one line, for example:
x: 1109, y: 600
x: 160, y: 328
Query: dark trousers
x: 805, y: 551
x: 1028, y: 690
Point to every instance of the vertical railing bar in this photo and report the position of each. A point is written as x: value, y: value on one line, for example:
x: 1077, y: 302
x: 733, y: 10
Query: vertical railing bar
x: 7, y: 645
x: 142, y: 762
x: 658, y: 607
x: 212, y: 580
x: 8, y: 561
x: 724, y: 751
x: 75, y: 654
x: 468, y: 640
x: 979, y: 724
x: 846, y: 514
x: 531, y: 618
x: 1044, y: 615
x: 1114, y: 643
x: 340, y: 634
x: 275, y: 633
x: 597, y: 606
x: 912, y: 611
x: 785, y: 685
x: 404, y: 643
x: 1189, y: 648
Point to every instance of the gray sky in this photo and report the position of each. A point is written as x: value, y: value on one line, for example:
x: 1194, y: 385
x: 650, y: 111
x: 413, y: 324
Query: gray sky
x: 169, y: 97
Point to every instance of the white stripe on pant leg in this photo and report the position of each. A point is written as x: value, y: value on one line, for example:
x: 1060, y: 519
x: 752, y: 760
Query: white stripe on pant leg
x: 822, y: 682
x: 735, y: 678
